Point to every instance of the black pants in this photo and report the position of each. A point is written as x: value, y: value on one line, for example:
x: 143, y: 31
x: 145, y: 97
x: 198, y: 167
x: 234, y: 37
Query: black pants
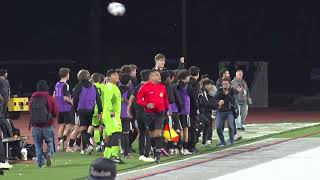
x: 193, y: 137
x: 207, y: 127
x: 144, y: 138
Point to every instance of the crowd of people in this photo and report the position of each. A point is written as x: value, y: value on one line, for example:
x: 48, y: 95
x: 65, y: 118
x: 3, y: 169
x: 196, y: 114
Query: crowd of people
x: 107, y: 113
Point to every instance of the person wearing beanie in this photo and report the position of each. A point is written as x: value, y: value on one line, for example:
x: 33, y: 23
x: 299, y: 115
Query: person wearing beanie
x: 42, y: 109
x: 102, y: 169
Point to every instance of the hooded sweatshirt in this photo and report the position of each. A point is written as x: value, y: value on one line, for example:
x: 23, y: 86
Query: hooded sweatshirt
x: 83, y: 92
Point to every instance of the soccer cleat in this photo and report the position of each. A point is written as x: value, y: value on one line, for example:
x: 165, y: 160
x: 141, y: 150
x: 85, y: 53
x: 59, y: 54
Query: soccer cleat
x: 117, y: 160
x: 186, y: 152
x: 176, y: 152
x: 171, y: 152
x: 49, y: 160
x: 70, y: 149
x: 89, y: 150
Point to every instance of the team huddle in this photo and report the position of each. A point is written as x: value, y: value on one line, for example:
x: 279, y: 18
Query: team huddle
x: 107, y: 113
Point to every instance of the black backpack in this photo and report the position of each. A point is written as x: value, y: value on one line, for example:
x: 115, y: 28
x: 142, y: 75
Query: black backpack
x: 39, y: 110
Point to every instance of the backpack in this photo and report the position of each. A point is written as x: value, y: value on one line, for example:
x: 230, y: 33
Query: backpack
x: 39, y: 111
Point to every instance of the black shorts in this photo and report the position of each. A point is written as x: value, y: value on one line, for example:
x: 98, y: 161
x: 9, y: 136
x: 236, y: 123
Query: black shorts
x: 65, y: 117
x: 185, y: 121
x: 125, y: 124
x: 155, y: 121
x: 176, y: 124
x: 85, y: 117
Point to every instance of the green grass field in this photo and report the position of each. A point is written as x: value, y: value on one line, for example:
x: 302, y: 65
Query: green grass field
x: 68, y: 166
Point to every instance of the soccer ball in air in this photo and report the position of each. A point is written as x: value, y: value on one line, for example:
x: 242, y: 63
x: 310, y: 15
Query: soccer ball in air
x: 116, y: 9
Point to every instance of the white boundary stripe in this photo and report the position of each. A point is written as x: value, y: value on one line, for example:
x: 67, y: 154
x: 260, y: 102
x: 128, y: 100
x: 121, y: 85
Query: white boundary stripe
x: 197, y: 156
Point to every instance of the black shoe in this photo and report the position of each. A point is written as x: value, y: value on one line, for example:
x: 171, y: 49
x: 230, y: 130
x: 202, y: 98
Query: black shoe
x: 117, y: 160
x: 157, y: 159
x: 242, y: 129
x: 49, y: 160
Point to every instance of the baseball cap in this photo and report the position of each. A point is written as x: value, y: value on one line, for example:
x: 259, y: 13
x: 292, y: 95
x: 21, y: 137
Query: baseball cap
x: 102, y: 169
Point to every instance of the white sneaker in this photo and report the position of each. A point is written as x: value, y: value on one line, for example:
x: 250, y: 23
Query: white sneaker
x: 89, y: 150
x: 5, y: 166
x: 141, y: 157
x: 147, y: 159
x: 171, y: 151
x: 60, y: 146
x: 70, y: 149
x: 82, y: 152
x: 176, y: 152
x: 186, y: 152
x: 209, y: 142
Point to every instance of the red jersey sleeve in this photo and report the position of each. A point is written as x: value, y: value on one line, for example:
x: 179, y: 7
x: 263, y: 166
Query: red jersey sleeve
x: 140, y: 97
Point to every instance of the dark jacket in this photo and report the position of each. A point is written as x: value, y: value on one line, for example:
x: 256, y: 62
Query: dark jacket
x: 77, y: 91
x: 193, y: 91
x: 229, y: 100
x: 51, y: 107
x: 207, y: 103
x: 177, y: 97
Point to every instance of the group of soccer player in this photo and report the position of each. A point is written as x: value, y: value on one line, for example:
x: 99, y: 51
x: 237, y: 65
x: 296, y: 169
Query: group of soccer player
x: 107, y: 113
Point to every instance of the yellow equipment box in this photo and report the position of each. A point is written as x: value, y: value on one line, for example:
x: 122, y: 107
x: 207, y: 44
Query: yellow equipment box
x: 18, y: 104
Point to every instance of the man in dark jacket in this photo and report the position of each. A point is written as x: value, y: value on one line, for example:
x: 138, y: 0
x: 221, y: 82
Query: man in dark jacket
x: 44, y: 130
x: 207, y: 107
x: 4, y: 92
x: 193, y: 91
x: 226, y: 105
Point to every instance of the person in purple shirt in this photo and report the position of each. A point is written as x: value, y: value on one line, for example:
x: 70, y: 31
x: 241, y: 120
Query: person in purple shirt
x: 125, y: 120
x: 64, y: 103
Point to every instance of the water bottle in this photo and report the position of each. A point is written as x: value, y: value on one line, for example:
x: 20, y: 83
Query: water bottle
x: 24, y: 154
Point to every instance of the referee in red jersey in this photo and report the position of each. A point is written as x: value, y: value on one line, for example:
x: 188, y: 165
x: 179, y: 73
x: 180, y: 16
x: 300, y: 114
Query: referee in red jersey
x: 154, y: 98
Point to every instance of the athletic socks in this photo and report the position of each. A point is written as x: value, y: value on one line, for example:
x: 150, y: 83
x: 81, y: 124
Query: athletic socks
x: 97, y: 136
x: 64, y: 138
x: 71, y: 142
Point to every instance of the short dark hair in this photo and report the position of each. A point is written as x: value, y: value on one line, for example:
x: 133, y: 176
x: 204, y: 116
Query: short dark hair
x: 144, y: 74
x: 42, y: 86
x: 183, y: 74
x: 102, y: 77
x: 95, y: 77
x: 226, y: 79
x: 125, y: 79
x: 222, y: 71
x: 126, y: 69
x: 110, y: 72
x: 204, y: 76
x: 158, y: 57
x: 164, y: 75
x: 118, y: 70
x: 194, y: 70
x: 63, y: 72
x: 206, y: 82
x: 172, y: 73
x: 83, y: 74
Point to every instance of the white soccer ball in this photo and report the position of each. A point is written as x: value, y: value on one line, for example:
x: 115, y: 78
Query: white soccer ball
x: 116, y: 9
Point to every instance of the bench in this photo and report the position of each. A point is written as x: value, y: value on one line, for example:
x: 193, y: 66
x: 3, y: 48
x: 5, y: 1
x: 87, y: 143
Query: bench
x: 6, y: 141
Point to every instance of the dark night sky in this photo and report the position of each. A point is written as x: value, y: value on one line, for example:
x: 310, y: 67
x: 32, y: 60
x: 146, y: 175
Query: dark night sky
x: 283, y: 33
